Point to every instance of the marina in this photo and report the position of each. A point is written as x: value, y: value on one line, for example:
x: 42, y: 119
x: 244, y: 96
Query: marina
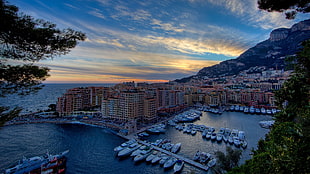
x: 179, y: 157
x: 83, y: 142
x: 229, y: 136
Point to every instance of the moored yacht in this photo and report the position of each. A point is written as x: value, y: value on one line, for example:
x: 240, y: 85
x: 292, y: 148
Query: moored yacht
x: 128, y: 150
x: 151, y: 156
x: 170, y: 162
x: 157, y: 158
x: 41, y: 164
x: 164, y: 158
x: 212, y: 162
x: 176, y: 148
x: 197, y: 156
x: 178, y: 166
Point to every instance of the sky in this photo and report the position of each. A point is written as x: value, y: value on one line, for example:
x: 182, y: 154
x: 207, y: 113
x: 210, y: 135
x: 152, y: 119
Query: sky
x: 151, y: 40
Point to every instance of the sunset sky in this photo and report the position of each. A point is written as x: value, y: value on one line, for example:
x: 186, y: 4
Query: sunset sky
x: 151, y: 40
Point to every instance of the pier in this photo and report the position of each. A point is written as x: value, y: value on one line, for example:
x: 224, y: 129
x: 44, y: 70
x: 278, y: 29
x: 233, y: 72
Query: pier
x: 186, y: 160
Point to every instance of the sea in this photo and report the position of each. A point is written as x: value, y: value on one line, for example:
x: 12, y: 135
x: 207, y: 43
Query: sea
x: 91, y: 148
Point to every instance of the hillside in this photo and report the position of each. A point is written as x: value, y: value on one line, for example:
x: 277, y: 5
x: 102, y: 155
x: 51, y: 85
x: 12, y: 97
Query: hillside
x: 270, y: 53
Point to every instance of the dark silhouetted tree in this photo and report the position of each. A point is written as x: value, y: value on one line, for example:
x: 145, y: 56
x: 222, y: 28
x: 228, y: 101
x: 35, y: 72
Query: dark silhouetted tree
x: 228, y: 161
x: 24, y: 41
x: 286, y: 148
x: 290, y: 7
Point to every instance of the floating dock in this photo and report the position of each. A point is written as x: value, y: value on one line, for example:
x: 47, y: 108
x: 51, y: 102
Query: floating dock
x: 188, y: 161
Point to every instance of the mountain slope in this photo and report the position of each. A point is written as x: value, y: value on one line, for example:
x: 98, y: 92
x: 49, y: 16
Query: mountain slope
x: 269, y: 53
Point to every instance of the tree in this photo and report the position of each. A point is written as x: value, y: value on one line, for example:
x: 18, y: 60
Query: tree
x: 286, y: 148
x: 24, y: 41
x: 228, y: 161
x: 290, y: 7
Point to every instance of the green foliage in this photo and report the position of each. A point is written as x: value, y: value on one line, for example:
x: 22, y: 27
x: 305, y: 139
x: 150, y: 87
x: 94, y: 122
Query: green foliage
x: 6, y: 114
x: 286, y: 149
x: 290, y: 7
x: 230, y: 160
x: 25, y: 38
x: 21, y: 79
x: 23, y: 41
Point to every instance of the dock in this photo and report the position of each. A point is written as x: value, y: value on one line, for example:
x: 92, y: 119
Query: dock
x: 186, y: 160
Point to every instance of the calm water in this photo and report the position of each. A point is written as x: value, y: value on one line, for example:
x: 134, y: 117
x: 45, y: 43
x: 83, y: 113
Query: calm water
x: 40, y: 100
x: 91, y: 148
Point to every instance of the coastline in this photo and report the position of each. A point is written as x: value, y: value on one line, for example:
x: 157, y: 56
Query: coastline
x: 113, y: 128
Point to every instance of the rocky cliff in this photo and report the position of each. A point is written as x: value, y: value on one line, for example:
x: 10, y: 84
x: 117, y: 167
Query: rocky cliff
x: 269, y: 53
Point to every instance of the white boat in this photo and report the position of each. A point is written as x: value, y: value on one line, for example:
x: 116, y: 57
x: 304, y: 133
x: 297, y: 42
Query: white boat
x: 178, y: 166
x: 176, y: 148
x: 252, y: 110
x: 268, y: 111
x: 222, y: 130
x: 204, y: 157
x: 244, y: 144
x: 118, y: 148
x: 225, y: 138
x: 208, y: 136
x: 167, y: 146
x: 127, y: 151
x: 40, y: 164
x: 204, y: 133
x: 236, y: 142
x: 234, y: 132
x: 232, y: 108
x: 266, y: 124
x: 230, y: 140
x: 143, y: 134
x: 129, y: 142
x: 193, y: 132
x: 227, y: 132
x: 219, y: 137
x: 246, y: 110
x: 241, y: 135
x: 212, y: 162
x: 141, y: 157
x: 151, y: 156
x: 213, y: 136
x: 136, y: 152
x: 157, y: 158
x: 197, y: 156
x: 163, y: 160
x: 170, y: 162
x: 237, y: 107
x: 157, y: 142
x: 263, y: 110
x: 273, y: 111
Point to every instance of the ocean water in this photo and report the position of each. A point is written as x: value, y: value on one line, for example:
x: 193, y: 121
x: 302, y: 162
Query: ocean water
x: 43, y: 98
x: 91, y: 148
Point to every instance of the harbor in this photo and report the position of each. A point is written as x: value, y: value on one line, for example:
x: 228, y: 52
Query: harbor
x: 83, y: 142
x: 145, y: 138
x: 179, y: 157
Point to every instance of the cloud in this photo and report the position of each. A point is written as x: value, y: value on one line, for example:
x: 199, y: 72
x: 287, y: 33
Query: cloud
x: 165, y: 26
x: 112, y: 42
x: 191, y: 46
x: 97, y: 13
x: 247, y: 10
x: 124, y: 65
x: 71, y: 6
x: 121, y: 11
